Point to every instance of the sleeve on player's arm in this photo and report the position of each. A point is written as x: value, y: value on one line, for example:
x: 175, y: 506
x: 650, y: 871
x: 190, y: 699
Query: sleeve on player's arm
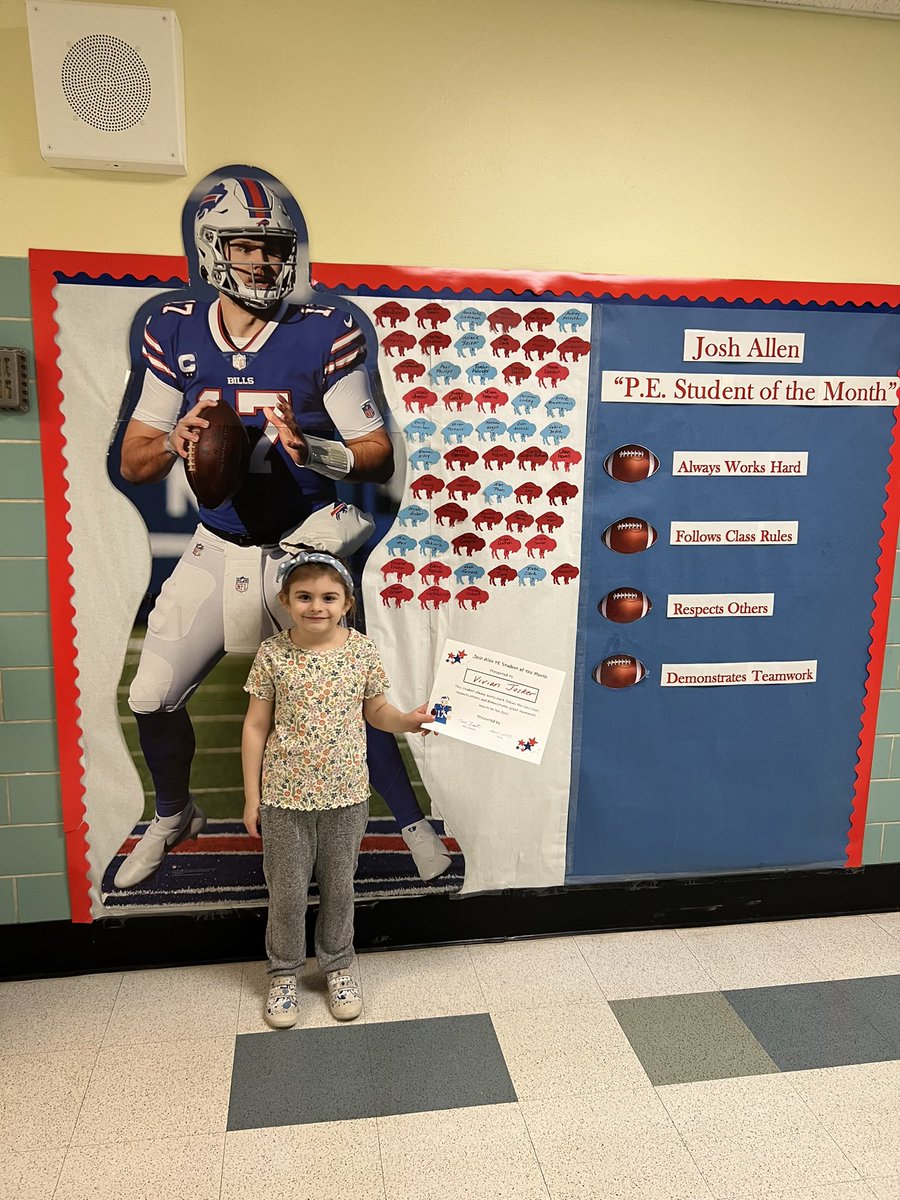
x: 155, y: 354
x: 159, y: 404
x: 352, y: 407
x: 347, y: 351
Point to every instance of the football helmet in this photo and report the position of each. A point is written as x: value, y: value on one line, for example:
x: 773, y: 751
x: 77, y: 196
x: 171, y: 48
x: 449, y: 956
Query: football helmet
x: 245, y: 208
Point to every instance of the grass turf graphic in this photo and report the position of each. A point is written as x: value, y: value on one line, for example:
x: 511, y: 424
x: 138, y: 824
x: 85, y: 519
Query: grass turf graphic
x: 217, y: 710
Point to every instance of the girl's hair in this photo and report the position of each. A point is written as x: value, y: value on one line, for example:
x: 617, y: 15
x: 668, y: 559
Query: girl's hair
x: 312, y: 570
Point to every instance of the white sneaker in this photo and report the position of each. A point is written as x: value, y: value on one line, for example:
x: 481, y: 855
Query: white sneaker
x: 344, y: 995
x: 427, y: 850
x: 282, y: 1009
x: 160, y: 836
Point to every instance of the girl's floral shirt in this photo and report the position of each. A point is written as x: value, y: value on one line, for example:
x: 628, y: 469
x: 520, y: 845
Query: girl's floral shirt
x: 315, y: 756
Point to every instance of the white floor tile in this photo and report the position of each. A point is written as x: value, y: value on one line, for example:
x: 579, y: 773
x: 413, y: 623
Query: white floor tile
x: 860, y: 1108
x: 886, y: 1189
x: 177, y: 1086
x: 889, y: 921
x: 533, y: 974
x: 408, y: 984
x: 312, y: 997
x: 753, y: 1134
x: 189, y: 1167
x: 615, y: 1144
x: 29, y: 1175
x: 744, y: 956
x: 334, y: 1160
x: 644, y: 963
x: 176, y: 1004
x: 827, y: 1191
x: 845, y: 947
x: 55, y: 1014
x: 575, y: 1051
x: 40, y: 1097
x: 481, y: 1153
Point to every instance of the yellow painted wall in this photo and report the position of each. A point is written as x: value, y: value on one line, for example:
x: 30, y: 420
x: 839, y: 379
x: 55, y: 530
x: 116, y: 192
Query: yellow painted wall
x: 664, y: 137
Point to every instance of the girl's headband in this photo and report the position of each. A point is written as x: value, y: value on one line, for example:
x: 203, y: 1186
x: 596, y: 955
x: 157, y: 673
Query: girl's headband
x: 316, y: 557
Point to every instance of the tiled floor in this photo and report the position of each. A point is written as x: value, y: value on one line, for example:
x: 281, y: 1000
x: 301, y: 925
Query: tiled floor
x: 732, y: 1061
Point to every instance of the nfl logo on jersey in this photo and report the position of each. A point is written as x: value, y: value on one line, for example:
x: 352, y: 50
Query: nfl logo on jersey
x: 241, y: 583
x: 368, y: 410
x: 239, y: 361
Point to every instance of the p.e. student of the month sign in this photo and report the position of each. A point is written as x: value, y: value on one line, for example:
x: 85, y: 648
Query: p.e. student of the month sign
x: 724, y: 667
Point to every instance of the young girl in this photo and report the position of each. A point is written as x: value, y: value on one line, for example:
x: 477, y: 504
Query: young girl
x: 304, y: 742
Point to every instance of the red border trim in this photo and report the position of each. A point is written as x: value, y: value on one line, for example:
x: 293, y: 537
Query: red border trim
x: 881, y: 612
x: 334, y: 276
x: 44, y: 266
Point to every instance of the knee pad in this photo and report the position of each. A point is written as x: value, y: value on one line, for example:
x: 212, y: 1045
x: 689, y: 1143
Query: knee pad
x: 151, y: 686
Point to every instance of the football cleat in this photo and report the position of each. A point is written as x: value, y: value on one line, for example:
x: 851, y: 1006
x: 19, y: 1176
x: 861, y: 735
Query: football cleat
x: 427, y: 850
x: 158, y: 839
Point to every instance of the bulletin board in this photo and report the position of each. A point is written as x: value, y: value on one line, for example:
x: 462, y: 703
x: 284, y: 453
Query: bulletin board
x: 681, y: 494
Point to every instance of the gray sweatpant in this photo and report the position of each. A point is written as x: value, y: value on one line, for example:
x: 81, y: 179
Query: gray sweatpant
x: 295, y: 844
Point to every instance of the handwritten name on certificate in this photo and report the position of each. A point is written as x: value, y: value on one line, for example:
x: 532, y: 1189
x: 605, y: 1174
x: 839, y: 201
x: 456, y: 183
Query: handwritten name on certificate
x: 494, y: 700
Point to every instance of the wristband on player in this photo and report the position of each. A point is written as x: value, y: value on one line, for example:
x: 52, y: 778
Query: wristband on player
x: 168, y: 447
x: 334, y: 460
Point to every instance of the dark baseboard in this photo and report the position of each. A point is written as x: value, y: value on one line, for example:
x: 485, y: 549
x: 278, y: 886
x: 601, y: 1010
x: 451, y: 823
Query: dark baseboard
x: 54, y: 948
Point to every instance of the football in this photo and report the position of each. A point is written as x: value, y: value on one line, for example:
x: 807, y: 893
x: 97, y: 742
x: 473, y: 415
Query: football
x: 620, y: 671
x: 217, y: 463
x: 630, y: 464
x: 630, y: 535
x: 624, y: 605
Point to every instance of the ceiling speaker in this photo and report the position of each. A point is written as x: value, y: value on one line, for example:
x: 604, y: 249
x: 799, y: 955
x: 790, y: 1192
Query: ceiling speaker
x: 108, y: 86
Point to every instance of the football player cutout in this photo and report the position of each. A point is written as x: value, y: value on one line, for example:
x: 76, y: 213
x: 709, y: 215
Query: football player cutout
x: 293, y: 369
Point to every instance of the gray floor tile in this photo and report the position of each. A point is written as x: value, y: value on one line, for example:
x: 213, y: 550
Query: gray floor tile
x: 805, y: 1026
x: 684, y: 1039
x: 300, y: 1076
x: 878, y: 998
x: 303, y: 1076
x: 445, y: 1062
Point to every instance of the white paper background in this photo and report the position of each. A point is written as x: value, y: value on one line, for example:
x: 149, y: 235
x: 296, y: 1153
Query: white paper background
x: 509, y: 818
x: 110, y: 552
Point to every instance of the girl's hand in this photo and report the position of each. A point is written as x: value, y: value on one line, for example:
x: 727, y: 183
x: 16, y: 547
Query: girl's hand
x: 413, y: 721
x: 251, y: 818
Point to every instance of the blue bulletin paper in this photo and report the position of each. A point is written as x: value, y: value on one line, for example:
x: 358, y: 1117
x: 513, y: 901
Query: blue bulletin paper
x: 692, y: 779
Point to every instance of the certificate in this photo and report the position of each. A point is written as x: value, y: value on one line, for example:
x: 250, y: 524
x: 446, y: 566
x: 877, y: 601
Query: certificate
x: 494, y: 700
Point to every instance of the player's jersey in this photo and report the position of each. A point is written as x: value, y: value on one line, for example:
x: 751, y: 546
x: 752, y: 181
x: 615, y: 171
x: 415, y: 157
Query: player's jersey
x: 299, y: 356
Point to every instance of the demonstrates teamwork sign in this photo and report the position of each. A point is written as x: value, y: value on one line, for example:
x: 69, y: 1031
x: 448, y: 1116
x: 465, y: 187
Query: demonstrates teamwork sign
x: 675, y: 501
